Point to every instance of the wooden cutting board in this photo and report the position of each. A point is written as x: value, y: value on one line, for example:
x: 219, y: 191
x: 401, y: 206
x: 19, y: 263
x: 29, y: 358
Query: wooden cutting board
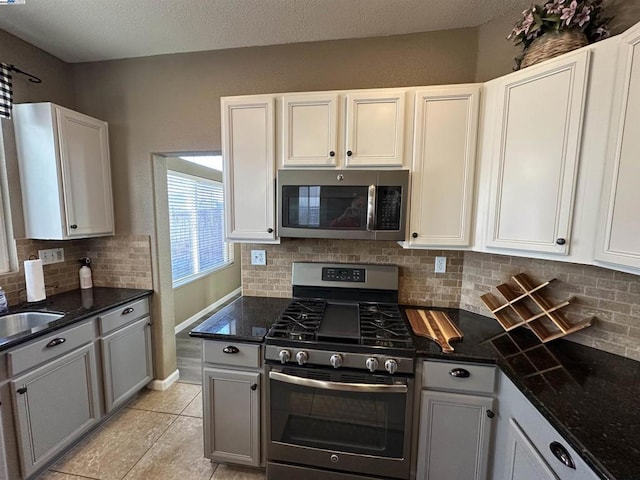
x: 435, y: 325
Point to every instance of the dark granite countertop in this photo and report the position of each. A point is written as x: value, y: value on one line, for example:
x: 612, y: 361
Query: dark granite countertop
x: 245, y: 319
x: 76, y: 305
x: 591, y: 397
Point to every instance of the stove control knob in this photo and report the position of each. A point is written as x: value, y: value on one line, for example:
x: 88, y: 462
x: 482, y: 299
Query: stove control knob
x: 391, y: 366
x: 302, y: 357
x: 372, y: 364
x: 284, y: 356
x: 336, y: 360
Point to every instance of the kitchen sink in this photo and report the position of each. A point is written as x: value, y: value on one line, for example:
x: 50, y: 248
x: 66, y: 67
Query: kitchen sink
x: 14, y: 323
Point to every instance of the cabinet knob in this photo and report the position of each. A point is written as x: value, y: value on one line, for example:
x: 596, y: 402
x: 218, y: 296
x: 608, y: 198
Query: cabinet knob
x: 562, y: 454
x: 490, y: 414
x: 254, y: 386
x: 332, y: 153
x: 460, y: 373
x: 561, y: 241
x: 414, y: 235
x: 269, y: 230
x: 55, y: 342
x: 230, y: 349
x: 73, y: 226
x: 22, y: 390
x: 349, y: 153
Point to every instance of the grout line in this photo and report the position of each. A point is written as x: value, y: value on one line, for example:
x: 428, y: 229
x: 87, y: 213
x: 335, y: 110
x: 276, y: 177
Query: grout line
x: 69, y: 474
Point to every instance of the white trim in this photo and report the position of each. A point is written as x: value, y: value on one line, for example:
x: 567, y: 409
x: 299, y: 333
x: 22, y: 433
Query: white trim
x: 166, y: 383
x: 206, y: 310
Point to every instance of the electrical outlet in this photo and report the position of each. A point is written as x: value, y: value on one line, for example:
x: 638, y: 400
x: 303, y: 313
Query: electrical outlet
x: 441, y: 264
x: 51, y: 255
x: 258, y: 257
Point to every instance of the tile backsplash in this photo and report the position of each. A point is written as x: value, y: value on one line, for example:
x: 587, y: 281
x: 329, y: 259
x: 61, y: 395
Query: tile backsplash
x: 419, y: 285
x: 613, y: 298
x: 119, y: 261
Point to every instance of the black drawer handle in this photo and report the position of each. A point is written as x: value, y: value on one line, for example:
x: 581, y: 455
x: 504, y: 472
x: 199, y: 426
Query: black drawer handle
x: 562, y: 454
x: 460, y: 373
x: 22, y: 390
x: 55, y: 342
x: 230, y: 349
x: 127, y: 311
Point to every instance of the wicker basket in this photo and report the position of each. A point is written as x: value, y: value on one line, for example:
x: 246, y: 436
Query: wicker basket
x: 552, y: 44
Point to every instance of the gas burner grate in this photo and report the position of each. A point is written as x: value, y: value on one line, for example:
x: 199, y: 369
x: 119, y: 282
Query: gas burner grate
x: 299, y: 321
x: 381, y: 324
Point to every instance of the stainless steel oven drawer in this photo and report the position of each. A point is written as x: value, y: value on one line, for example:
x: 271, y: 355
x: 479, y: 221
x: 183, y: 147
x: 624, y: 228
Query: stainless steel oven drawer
x: 459, y: 377
x: 231, y: 353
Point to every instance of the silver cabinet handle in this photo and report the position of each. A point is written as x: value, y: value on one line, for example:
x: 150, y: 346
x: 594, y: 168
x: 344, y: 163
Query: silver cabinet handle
x: 460, y: 373
x: 337, y: 386
x: 562, y: 454
x: 55, y: 342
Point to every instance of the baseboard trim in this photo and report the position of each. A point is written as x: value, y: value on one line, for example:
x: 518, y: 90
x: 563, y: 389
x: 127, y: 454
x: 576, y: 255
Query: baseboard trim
x: 166, y: 383
x: 210, y: 308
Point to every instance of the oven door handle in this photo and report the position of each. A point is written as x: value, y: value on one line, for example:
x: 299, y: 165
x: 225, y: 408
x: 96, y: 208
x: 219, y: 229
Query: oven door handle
x: 343, y: 387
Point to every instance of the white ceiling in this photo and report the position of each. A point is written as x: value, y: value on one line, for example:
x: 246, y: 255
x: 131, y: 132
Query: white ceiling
x: 95, y: 30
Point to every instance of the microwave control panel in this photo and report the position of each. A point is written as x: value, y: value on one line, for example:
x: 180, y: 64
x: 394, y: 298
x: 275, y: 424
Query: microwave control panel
x: 389, y: 207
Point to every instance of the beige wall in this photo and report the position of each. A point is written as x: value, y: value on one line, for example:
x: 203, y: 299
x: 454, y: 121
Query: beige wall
x: 496, y: 54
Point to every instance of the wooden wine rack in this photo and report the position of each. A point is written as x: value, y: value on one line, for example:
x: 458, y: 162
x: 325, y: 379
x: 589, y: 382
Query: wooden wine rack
x: 548, y: 323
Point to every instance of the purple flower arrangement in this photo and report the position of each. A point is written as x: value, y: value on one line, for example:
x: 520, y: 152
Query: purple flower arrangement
x: 556, y: 15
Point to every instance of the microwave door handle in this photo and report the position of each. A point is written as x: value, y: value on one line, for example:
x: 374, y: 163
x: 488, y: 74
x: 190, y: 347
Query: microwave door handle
x: 371, y: 209
x: 337, y: 386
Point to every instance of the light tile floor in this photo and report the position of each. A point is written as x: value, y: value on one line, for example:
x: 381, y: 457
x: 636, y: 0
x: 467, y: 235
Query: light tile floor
x: 158, y: 436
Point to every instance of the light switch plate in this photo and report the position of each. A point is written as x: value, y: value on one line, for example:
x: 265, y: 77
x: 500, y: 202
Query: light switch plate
x: 51, y: 255
x: 258, y: 257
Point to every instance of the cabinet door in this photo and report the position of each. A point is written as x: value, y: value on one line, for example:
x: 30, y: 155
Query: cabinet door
x: 536, y: 156
x: 249, y: 171
x: 54, y: 405
x: 375, y: 129
x: 127, y: 364
x: 232, y: 416
x: 86, y: 174
x: 454, y: 436
x: 444, y: 158
x: 523, y: 460
x: 309, y: 130
x: 620, y: 225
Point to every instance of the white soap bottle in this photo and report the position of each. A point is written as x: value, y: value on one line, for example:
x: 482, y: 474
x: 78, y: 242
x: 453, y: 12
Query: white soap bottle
x: 85, y: 273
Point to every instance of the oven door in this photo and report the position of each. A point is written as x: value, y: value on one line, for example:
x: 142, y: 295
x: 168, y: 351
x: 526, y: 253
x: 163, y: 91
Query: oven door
x: 352, y: 422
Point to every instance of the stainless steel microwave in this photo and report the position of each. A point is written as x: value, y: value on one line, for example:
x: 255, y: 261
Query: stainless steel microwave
x: 351, y: 204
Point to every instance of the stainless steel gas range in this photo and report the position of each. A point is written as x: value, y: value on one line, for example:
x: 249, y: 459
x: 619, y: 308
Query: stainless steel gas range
x: 340, y: 363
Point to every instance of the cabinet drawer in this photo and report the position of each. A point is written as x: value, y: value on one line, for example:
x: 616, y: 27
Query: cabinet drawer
x: 123, y: 315
x: 240, y: 354
x: 471, y: 378
x: 51, y: 346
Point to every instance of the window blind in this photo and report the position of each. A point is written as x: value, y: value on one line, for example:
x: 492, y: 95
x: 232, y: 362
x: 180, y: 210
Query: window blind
x: 196, y: 222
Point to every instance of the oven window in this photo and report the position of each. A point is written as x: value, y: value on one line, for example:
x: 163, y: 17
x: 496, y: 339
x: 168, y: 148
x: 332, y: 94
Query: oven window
x: 350, y: 422
x: 326, y: 207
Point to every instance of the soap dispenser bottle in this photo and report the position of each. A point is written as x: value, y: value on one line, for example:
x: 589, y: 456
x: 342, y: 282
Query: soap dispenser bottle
x: 85, y: 273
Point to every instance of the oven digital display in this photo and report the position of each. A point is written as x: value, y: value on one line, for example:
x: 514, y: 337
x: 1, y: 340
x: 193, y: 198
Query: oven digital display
x: 343, y: 274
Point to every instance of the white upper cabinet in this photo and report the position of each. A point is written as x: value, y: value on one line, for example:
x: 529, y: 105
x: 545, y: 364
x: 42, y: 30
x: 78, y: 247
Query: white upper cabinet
x: 65, y: 172
x: 619, y: 233
x: 248, y: 132
x: 535, y: 153
x: 364, y: 128
x: 375, y: 123
x: 309, y: 130
x: 444, y: 157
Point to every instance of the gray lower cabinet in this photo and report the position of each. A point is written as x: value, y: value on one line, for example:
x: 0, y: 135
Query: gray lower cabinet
x: 524, y: 462
x: 232, y: 415
x: 454, y: 436
x: 126, y: 361
x: 53, y: 405
x: 456, y: 411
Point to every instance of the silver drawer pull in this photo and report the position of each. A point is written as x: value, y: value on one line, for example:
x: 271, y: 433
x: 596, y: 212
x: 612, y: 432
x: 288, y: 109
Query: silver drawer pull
x: 55, y: 342
x: 230, y: 349
x: 126, y: 311
x: 460, y: 373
